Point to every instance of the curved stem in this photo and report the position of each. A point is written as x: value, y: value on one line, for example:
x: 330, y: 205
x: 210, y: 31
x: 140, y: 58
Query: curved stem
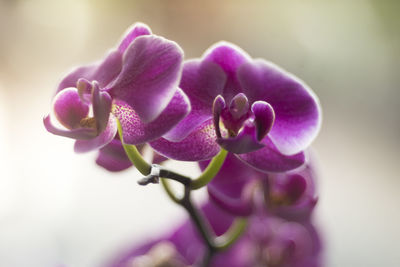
x: 234, y: 232
x: 169, y: 191
x: 211, y: 170
x: 133, y: 154
x: 154, y: 172
x: 199, y: 220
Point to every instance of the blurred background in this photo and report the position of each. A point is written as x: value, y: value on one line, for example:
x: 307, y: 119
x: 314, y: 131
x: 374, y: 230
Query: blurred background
x: 57, y: 207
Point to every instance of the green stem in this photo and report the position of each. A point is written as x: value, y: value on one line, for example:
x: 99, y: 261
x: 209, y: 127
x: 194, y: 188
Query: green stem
x: 229, y: 237
x: 169, y: 191
x: 211, y: 170
x: 134, y: 155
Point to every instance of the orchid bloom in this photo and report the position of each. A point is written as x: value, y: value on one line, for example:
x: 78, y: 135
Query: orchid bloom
x: 290, y: 194
x: 136, y: 83
x: 249, y: 107
x: 268, y: 241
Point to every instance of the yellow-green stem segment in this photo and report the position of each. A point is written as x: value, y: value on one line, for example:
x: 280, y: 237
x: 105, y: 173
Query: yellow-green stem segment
x: 211, y: 170
x: 169, y: 191
x: 234, y: 232
x: 134, y: 155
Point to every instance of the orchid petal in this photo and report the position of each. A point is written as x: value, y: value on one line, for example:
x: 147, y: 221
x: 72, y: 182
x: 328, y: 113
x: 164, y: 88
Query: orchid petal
x: 99, y: 141
x: 264, y: 117
x: 218, y: 106
x: 136, y: 30
x: 297, y: 111
x: 136, y: 132
x: 296, y: 186
x: 229, y: 57
x: 112, y: 157
x: 268, y: 159
x: 103, y: 72
x: 69, y: 108
x: 101, y: 107
x: 199, y: 145
x: 79, y: 133
x: 149, y: 77
x: 202, y: 82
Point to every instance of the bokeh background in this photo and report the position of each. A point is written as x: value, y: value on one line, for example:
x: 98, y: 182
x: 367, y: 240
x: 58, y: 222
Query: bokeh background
x: 57, y: 207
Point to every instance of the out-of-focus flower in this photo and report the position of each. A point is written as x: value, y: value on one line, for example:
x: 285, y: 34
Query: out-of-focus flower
x: 137, y: 83
x: 272, y: 241
x: 290, y: 194
x: 248, y: 106
x: 268, y: 241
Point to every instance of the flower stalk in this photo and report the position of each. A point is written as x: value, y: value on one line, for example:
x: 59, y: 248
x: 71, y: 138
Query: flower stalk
x: 153, y: 174
x: 133, y: 154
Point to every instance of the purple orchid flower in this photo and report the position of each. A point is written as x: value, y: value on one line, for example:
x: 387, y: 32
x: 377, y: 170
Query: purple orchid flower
x: 136, y: 83
x: 268, y: 241
x: 249, y: 107
x: 290, y: 195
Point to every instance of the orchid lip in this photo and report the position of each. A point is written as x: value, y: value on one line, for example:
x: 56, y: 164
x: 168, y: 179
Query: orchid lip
x: 239, y: 128
x: 84, y: 89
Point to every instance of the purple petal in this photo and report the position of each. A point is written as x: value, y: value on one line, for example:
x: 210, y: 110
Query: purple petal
x: 101, y: 107
x: 199, y: 145
x: 134, y: 31
x: 103, y: 72
x: 149, y: 77
x: 245, y: 142
x: 218, y: 106
x: 136, y: 132
x: 264, y: 117
x: 69, y: 109
x: 296, y: 186
x: 268, y: 159
x: 80, y: 133
x: 99, y: 141
x: 112, y: 157
x: 187, y: 125
x: 202, y: 82
x: 297, y: 111
x: 229, y: 57
x: 157, y: 158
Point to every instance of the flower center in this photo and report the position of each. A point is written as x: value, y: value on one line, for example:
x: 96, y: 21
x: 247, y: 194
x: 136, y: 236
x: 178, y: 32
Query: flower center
x: 88, y: 122
x: 231, y: 120
x: 235, y: 115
